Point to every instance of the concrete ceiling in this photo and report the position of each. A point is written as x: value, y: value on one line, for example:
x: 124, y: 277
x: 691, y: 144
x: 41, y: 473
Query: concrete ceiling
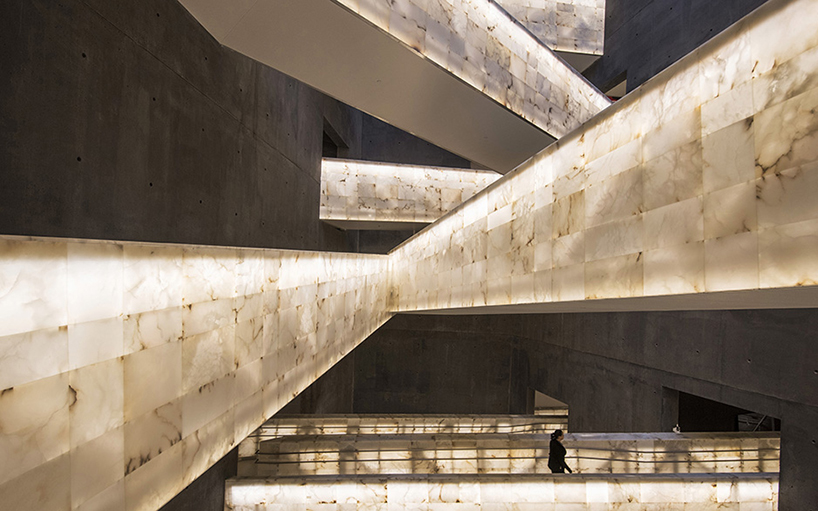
x: 339, y: 53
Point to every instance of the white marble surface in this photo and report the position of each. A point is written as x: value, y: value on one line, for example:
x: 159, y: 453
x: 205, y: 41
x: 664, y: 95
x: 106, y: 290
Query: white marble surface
x: 361, y: 193
x: 697, y: 182
x: 131, y: 368
x: 572, y: 26
x: 480, y: 44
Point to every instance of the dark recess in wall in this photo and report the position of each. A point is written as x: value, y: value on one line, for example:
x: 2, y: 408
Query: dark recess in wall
x: 699, y: 414
x: 376, y: 242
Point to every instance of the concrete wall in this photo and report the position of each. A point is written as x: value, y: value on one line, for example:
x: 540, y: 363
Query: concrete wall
x: 126, y: 120
x: 332, y: 393
x: 384, y: 142
x: 427, y: 365
x: 617, y: 371
x: 412, y: 366
x: 643, y: 37
x: 207, y: 492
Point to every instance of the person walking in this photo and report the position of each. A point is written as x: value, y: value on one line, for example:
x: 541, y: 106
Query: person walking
x: 556, y: 454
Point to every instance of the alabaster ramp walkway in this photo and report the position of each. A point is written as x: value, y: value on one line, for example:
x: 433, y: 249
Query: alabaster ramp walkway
x: 495, y: 462
x: 462, y: 75
x: 696, y: 191
x: 508, y: 453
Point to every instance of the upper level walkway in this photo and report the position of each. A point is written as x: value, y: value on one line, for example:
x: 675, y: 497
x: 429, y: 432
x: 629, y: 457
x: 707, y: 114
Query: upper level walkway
x: 462, y: 75
x: 695, y: 191
x: 495, y: 462
x: 405, y: 444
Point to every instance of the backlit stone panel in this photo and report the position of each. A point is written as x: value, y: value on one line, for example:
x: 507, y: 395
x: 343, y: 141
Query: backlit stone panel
x: 574, y: 26
x: 480, y: 44
x: 360, y: 194
x: 700, y: 181
x: 703, y: 492
x: 128, y: 369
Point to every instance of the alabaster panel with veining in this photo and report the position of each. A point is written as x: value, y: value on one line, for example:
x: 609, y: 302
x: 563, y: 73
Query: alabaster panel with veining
x: 166, y: 357
x: 504, y: 492
x: 359, y: 191
x: 573, y: 26
x: 698, y: 181
x: 479, y: 43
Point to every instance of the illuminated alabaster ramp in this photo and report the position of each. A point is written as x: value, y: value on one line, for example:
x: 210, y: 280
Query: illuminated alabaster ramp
x: 495, y: 462
x: 569, y: 26
x: 591, y: 492
x: 693, y: 192
x: 126, y: 370
x: 489, y: 445
x: 367, y: 195
x: 462, y: 75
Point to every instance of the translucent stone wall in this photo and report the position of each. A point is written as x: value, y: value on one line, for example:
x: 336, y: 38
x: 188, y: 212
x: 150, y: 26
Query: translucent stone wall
x: 569, y: 25
x: 128, y: 369
x: 477, y: 42
x: 700, y: 181
x: 708, y: 492
x: 358, y: 191
x: 477, y: 452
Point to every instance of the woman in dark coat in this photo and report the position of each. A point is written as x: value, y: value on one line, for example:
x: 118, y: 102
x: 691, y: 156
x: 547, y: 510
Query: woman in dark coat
x: 556, y: 455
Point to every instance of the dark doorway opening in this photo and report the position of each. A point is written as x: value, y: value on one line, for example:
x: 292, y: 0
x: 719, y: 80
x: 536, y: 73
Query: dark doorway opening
x: 330, y: 148
x: 697, y: 414
x: 332, y: 144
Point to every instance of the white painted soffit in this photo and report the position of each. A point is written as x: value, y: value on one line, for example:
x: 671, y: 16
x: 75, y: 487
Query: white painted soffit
x: 507, y: 100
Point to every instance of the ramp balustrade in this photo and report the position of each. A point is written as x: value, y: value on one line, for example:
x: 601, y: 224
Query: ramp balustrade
x: 519, y: 445
x: 446, y: 492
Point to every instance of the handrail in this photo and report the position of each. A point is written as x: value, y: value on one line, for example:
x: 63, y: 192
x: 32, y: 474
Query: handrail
x: 480, y: 458
x: 759, y: 423
x: 558, y: 418
x: 739, y: 450
x: 441, y: 429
